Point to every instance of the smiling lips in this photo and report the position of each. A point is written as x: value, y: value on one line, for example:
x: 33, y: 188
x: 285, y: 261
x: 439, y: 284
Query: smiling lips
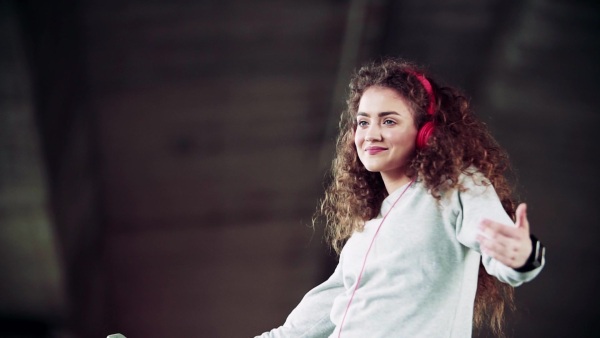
x: 374, y: 150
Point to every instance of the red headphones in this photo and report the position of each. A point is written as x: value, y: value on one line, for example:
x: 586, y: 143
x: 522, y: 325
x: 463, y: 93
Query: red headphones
x: 427, y: 129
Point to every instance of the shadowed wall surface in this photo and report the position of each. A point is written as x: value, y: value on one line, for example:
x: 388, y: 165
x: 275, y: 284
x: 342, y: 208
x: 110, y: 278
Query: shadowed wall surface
x: 173, y: 152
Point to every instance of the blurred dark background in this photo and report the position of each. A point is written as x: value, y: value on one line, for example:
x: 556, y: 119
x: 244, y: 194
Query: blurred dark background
x: 160, y: 161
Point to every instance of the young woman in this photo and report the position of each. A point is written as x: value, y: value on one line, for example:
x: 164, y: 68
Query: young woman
x: 421, y: 214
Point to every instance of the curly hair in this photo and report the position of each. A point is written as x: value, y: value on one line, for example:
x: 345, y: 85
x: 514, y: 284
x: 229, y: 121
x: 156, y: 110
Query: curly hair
x: 459, y: 141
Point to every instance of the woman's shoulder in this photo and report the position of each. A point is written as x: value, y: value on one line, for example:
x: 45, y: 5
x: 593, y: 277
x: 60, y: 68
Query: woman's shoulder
x: 469, y: 180
x: 472, y: 183
x: 472, y: 177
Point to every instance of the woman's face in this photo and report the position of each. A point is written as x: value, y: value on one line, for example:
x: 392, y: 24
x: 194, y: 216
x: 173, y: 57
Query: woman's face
x: 385, y: 135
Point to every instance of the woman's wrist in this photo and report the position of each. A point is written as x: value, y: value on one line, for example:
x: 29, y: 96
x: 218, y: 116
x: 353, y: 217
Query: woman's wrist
x: 535, y: 258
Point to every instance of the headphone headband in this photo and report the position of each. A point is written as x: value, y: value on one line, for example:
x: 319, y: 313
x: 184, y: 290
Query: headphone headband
x: 427, y: 129
x: 428, y: 88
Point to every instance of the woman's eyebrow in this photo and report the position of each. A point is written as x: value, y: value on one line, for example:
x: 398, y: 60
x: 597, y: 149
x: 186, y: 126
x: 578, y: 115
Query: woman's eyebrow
x: 383, y: 113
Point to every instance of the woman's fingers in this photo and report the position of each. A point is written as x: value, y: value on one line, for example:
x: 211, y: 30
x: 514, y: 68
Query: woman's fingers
x: 508, y: 244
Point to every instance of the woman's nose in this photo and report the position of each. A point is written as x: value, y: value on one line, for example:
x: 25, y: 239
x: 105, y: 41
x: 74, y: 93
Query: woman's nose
x: 373, y: 134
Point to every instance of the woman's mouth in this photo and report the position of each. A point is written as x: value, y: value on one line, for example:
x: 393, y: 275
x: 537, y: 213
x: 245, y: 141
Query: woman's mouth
x: 374, y: 150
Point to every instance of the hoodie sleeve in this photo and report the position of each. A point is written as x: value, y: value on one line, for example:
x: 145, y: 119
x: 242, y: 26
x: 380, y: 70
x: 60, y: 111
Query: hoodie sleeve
x: 478, y: 200
x: 311, y: 318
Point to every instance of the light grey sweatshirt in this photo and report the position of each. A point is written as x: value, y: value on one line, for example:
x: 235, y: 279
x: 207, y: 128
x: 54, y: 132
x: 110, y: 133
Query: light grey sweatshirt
x: 420, y: 276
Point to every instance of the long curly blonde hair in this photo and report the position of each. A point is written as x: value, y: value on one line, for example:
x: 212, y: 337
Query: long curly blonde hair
x: 458, y: 142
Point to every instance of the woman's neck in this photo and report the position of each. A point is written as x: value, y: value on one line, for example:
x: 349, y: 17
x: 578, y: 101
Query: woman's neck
x: 393, y: 182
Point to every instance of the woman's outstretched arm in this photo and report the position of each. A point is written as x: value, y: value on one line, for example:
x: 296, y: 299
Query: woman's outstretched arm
x: 311, y: 318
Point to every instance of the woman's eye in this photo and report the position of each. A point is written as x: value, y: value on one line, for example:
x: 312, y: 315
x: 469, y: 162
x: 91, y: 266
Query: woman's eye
x: 362, y: 123
x: 389, y: 122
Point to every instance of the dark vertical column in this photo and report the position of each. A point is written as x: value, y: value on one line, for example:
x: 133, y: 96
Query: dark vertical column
x: 55, y: 52
x: 33, y: 300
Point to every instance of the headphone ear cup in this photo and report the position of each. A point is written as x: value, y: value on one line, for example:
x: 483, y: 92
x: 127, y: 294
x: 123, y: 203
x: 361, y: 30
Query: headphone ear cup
x: 424, y: 134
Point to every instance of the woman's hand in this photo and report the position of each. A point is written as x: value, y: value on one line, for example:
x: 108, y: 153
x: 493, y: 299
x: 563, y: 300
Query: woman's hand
x: 507, y: 244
